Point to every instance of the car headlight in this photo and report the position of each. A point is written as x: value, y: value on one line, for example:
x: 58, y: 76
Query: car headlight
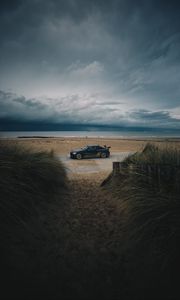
x: 74, y: 153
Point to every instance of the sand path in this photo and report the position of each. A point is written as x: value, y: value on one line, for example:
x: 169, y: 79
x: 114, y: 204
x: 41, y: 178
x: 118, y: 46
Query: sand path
x: 86, y: 237
x: 93, y: 165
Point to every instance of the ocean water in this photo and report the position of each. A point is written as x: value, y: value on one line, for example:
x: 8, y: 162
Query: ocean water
x: 110, y: 134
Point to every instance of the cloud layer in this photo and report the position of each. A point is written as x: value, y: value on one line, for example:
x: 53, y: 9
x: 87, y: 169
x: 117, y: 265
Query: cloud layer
x: 108, y: 62
x: 85, y: 110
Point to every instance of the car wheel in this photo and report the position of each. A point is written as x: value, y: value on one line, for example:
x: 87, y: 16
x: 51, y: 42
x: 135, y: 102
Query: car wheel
x: 103, y: 155
x: 79, y: 156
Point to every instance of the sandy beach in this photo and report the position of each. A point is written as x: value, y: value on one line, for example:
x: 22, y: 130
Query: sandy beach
x: 65, y: 144
x: 100, y: 168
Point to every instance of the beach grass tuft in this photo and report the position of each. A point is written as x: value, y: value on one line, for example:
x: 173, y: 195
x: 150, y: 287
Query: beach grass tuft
x: 148, y: 194
x: 30, y: 185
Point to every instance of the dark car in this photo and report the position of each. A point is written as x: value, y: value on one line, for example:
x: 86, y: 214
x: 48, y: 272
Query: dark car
x: 91, y: 151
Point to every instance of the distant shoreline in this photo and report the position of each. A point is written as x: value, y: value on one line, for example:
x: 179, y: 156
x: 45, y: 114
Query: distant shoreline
x: 125, y: 135
x: 35, y: 137
x: 135, y: 138
x: 102, y: 137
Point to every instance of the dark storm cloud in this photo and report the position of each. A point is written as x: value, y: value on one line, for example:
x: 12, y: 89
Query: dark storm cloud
x: 18, y: 107
x: 74, y: 49
x: 137, y: 26
x: 9, y: 6
x: 56, y: 111
x: 154, y: 119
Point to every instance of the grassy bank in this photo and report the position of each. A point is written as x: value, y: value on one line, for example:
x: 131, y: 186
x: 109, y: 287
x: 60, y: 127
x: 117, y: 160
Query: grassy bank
x: 31, y: 183
x: 148, y: 193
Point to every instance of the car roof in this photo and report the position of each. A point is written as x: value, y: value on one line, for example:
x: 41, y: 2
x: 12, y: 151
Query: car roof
x: 93, y: 146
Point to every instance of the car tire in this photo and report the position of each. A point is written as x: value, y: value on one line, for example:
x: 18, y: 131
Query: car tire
x: 79, y: 156
x: 103, y: 155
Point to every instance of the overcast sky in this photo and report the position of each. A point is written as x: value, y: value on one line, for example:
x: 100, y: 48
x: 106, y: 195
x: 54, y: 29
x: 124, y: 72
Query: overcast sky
x: 90, y: 62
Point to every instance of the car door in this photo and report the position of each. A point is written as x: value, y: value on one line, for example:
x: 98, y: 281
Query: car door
x: 90, y: 152
x: 93, y: 151
x: 87, y: 152
x: 97, y: 152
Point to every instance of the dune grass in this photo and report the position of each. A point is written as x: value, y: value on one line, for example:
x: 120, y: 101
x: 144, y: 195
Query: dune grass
x: 153, y: 154
x: 28, y: 178
x: 149, y: 203
x: 30, y: 184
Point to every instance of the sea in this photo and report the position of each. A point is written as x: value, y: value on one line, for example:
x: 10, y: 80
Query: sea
x: 96, y: 134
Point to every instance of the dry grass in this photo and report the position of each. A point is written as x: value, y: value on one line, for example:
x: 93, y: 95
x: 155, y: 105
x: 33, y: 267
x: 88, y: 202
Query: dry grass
x: 28, y: 178
x: 30, y: 183
x: 150, y: 214
x: 163, y: 154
